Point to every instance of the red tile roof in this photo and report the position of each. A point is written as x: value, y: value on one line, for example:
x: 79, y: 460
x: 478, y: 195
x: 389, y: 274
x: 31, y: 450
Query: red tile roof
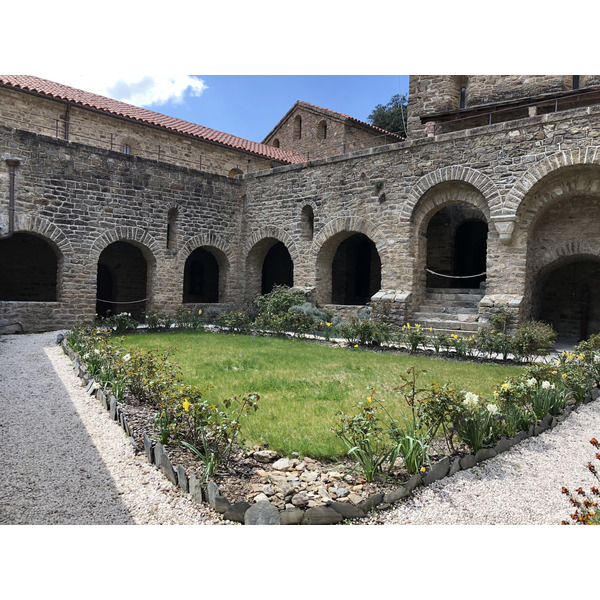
x: 145, y: 116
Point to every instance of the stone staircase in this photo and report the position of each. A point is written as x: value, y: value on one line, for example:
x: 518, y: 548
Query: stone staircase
x: 450, y: 310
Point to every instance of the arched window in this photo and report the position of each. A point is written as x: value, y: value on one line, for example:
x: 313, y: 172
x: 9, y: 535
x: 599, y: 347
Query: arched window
x: 234, y: 172
x: 322, y: 130
x: 28, y: 269
x: 201, y: 277
x: 276, y: 143
x: 463, y: 97
x: 298, y: 127
x: 172, y: 229
x: 307, y: 222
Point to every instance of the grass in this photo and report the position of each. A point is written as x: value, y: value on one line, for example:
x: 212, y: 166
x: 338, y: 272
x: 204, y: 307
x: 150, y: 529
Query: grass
x: 302, y: 385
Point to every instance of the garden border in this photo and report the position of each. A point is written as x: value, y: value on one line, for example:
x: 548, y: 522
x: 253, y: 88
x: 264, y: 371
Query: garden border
x: 263, y: 512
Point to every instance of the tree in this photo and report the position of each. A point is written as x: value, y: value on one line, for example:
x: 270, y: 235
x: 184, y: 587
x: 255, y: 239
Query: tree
x: 392, y: 116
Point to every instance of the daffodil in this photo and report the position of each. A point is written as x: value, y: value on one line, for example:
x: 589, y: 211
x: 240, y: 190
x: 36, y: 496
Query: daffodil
x: 127, y: 357
x: 186, y: 405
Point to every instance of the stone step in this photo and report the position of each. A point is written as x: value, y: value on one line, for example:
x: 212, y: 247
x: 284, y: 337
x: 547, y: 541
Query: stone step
x: 446, y: 325
x: 453, y: 296
x: 454, y: 306
x: 448, y: 316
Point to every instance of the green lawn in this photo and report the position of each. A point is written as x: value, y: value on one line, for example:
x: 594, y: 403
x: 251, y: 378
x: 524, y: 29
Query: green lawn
x: 302, y: 385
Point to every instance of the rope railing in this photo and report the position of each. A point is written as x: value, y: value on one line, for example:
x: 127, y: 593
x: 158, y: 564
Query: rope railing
x: 121, y: 301
x: 456, y: 276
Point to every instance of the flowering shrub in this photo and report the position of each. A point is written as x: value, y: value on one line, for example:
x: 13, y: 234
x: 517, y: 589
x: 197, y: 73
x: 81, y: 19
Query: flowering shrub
x: 474, y: 424
x: 119, y: 323
x: 237, y: 320
x: 158, y: 320
x: 585, y: 503
x: 413, y: 337
x: 365, y: 331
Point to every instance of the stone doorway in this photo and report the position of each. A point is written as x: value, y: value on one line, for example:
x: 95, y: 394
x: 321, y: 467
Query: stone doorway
x: 456, y: 248
x: 568, y: 297
x: 121, y: 283
x: 355, y: 271
x: 201, y: 277
x: 28, y: 269
x: 277, y: 268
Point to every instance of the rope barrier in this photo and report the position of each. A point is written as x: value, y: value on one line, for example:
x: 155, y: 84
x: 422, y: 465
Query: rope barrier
x: 121, y: 301
x: 455, y: 276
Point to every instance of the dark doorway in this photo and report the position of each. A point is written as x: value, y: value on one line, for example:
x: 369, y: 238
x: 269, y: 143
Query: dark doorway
x: 28, y: 269
x: 201, y: 277
x: 355, y: 271
x: 568, y: 298
x: 277, y: 269
x: 121, y: 281
x: 470, y: 251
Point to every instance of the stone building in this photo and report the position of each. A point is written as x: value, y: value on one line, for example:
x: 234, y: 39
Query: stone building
x: 492, y: 201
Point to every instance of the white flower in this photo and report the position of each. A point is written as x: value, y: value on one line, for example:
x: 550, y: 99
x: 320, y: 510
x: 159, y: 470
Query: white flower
x: 531, y: 382
x: 546, y: 385
x: 492, y: 409
x: 127, y: 357
x: 471, y: 399
x: 96, y: 351
x: 96, y: 386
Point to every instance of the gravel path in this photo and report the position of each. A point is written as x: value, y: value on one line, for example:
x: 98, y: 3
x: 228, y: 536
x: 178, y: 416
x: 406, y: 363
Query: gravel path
x: 62, y: 461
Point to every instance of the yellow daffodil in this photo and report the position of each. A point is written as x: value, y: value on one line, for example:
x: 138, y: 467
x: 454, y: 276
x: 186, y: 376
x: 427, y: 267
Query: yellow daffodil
x: 186, y: 405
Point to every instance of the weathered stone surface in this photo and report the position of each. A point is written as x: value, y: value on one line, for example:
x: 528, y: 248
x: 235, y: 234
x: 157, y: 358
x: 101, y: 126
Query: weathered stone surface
x: 468, y: 461
x: 148, y: 448
x: 455, y: 467
x: 196, y: 490
x: 113, y: 409
x: 371, y: 502
x: 595, y: 392
x: 484, y: 454
x: 291, y: 516
x: 502, y: 446
x: 283, y: 464
x: 262, y: 513
x: 265, y: 456
x: 164, y: 464
x: 395, y: 495
x: 321, y: 515
x: 347, y: 510
x: 437, y: 471
x: 414, y: 482
x: 182, y: 479
x: 236, y: 512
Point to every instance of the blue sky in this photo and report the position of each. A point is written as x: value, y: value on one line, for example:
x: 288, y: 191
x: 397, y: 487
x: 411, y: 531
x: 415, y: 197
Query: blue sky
x: 248, y: 106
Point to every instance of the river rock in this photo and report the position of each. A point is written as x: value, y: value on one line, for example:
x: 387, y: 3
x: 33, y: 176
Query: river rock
x: 262, y: 513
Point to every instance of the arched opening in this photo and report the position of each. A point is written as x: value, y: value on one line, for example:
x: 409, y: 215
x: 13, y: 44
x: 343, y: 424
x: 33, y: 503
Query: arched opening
x: 355, y: 271
x: 298, y: 127
x: 456, y: 247
x: 277, y: 268
x: 235, y: 172
x: 567, y: 296
x: 172, y: 229
x: 201, y: 277
x: 28, y: 269
x: 307, y: 222
x: 121, y: 281
x: 275, y: 143
x: 322, y: 130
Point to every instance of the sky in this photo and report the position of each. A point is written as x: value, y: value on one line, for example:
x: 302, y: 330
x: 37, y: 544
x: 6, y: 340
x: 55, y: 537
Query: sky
x: 248, y: 106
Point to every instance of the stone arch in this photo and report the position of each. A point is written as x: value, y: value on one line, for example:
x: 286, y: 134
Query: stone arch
x: 273, y: 253
x: 575, y: 247
x: 223, y: 256
x: 30, y: 268
x: 327, y: 243
x: 589, y: 155
x: 281, y: 235
x: 456, y: 173
x: 145, y: 244
x: 38, y: 225
x: 463, y: 202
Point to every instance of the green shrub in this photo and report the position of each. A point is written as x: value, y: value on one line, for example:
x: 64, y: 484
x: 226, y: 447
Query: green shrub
x: 237, y: 321
x: 365, y: 331
x: 279, y: 300
x: 532, y: 339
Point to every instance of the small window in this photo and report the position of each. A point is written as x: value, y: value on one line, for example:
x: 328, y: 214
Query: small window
x: 322, y: 131
x: 308, y: 222
x: 172, y: 229
x: 126, y: 149
x: 463, y: 97
x: 298, y: 127
x: 575, y: 82
x: 276, y: 143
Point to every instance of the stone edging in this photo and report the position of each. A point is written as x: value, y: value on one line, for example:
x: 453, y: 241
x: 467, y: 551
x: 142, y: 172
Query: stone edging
x: 263, y: 512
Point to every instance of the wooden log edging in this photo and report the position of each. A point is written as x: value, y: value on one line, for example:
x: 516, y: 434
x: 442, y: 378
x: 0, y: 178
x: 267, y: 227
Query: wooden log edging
x: 264, y: 513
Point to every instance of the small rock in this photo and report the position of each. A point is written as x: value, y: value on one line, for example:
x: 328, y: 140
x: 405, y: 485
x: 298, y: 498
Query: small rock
x: 182, y: 479
x: 283, y: 464
x: 262, y: 497
x: 292, y: 516
x: 164, y: 464
x: 348, y: 511
x: 321, y: 515
x: 236, y: 512
x: 300, y: 500
x: 265, y: 456
x: 268, y: 490
x: 262, y: 513
x: 355, y: 498
x: 370, y: 503
x: 309, y: 476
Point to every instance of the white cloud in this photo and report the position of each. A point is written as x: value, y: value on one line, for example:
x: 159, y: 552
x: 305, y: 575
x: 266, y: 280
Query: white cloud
x: 140, y: 90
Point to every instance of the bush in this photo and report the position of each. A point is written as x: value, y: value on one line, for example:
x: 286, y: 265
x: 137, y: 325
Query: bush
x: 279, y: 300
x: 365, y: 331
x: 158, y: 320
x: 532, y: 339
x: 237, y: 320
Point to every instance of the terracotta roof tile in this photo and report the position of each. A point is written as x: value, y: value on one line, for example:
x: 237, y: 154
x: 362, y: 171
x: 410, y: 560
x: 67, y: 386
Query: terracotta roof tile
x: 116, y: 107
